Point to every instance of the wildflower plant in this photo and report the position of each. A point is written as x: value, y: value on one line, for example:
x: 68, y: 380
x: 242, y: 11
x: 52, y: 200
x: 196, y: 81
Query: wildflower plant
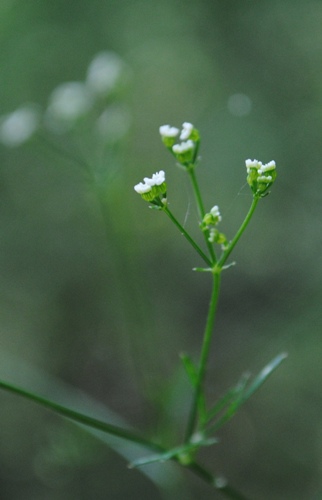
x: 204, y: 418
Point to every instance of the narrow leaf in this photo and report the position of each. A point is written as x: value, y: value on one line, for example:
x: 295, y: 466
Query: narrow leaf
x: 233, y: 394
x: 264, y: 374
x: 244, y: 394
x: 202, y: 269
x: 190, y: 368
x: 80, y: 417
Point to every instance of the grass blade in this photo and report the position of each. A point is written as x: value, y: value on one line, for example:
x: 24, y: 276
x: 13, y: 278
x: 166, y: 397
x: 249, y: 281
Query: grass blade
x: 246, y: 393
x: 80, y: 417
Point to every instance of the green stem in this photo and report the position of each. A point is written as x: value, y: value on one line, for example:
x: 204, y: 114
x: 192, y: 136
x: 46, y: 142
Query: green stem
x: 82, y: 419
x: 204, y: 355
x: 218, y: 483
x: 201, y: 210
x: 187, y: 236
x: 240, y: 231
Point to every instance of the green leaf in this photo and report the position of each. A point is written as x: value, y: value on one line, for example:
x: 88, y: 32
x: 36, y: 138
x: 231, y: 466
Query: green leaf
x: 80, y: 417
x: 244, y: 394
x: 192, y: 373
x: 232, y: 395
x: 264, y: 374
x: 203, y: 269
x: 190, y: 368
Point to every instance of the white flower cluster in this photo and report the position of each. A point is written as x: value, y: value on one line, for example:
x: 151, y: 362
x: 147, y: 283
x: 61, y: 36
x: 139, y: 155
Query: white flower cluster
x: 71, y: 102
x: 169, y: 134
x: 144, y: 187
x: 261, y: 169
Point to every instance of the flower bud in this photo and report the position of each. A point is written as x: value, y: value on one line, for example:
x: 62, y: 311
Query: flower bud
x: 153, y: 189
x: 260, y: 177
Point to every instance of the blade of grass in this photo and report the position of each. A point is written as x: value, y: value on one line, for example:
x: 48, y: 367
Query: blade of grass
x: 264, y: 374
x: 231, y: 395
x: 81, y: 418
x: 190, y: 368
x: 247, y: 393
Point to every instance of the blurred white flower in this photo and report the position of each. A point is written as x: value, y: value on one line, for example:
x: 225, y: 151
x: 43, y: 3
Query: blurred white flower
x: 142, y: 188
x: 67, y: 103
x: 183, y: 147
x: 17, y: 127
x: 157, y: 179
x: 216, y: 213
x: 114, y: 123
x: 168, y: 131
x: 104, y: 72
x: 239, y: 104
x: 187, y: 128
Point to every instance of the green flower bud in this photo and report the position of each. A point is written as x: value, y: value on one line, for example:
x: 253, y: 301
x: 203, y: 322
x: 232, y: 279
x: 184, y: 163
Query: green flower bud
x: 260, y: 177
x: 154, y: 188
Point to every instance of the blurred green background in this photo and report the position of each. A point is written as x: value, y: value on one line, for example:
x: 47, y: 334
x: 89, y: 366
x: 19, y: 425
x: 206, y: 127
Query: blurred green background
x: 98, y: 300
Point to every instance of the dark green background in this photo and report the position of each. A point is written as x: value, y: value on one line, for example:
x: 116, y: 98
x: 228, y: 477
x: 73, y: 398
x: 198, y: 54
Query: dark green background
x: 105, y: 307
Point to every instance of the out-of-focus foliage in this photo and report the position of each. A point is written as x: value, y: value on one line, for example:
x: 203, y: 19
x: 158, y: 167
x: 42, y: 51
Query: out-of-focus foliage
x: 105, y: 301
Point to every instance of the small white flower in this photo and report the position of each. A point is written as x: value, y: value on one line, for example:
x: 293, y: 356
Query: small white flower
x: 104, y: 72
x: 212, y: 234
x: 216, y: 213
x: 183, y: 147
x: 168, y: 131
x: 267, y: 168
x: 186, y: 131
x: 253, y: 164
x: 68, y: 102
x: 142, y: 188
x: 17, y: 127
x: 158, y: 178
x: 263, y: 178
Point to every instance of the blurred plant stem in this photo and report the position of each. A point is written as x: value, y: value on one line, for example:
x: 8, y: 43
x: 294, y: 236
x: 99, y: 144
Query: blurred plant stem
x: 204, y: 356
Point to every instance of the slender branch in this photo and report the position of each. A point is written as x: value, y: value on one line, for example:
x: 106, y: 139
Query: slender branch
x: 204, y: 355
x: 201, y: 210
x: 187, y: 236
x: 240, y: 231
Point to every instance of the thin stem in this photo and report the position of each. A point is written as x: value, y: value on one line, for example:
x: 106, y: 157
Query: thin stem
x: 240, y: 231
x: 204, y: 355
x: 218, y: 483
x: 187, y: 236
x: 201, y: 210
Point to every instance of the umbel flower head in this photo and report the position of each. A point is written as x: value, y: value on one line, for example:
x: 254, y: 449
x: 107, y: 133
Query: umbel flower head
x: 209, y: 223
x: 154, y: 189
x: 186, y: 150
x: 260, y: 177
